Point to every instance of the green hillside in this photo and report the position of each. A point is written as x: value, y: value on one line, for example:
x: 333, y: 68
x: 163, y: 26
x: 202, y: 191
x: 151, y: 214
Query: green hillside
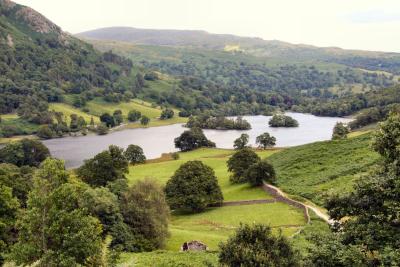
x: 314, y: 171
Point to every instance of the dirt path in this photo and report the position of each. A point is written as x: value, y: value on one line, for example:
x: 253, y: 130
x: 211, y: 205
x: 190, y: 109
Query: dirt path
x: 281, y: 196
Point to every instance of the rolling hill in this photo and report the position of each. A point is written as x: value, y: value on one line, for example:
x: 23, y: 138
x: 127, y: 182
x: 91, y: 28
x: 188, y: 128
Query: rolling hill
x: 253, y: 46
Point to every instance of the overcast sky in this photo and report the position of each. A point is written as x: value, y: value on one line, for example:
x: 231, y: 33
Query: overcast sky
x: 356, y: 24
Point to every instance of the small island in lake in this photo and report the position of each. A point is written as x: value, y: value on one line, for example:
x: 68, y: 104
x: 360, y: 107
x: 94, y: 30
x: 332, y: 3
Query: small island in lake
x: 218, y: 123
x: 281, y: 120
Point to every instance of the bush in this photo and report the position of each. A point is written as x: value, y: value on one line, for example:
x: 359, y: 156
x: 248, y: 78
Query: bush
x: 167, y: 114
x: 193, y: 187
x: 144, y: 120
x: 175, y: 155
x: 260, y: 172
x: 240, y: 162
x: 340, y: 131
x: 45, y: 132
x: 192, y: 139
x: 102, y: 129
x: 134, y: 154
x: 134, y: 115
x: 257, y: 246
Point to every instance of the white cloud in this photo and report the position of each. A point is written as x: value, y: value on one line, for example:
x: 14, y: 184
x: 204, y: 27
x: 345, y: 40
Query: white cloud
x: 316, y: 22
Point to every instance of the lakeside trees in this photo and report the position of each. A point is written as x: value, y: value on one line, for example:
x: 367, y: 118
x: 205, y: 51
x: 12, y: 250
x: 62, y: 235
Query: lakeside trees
x: 340, y: 131
x: 265, y: 140
x: 241, y: 142
x: 134, y: 154
x: 192, y: 139
x: 281, y: 120
x: 219, y: 123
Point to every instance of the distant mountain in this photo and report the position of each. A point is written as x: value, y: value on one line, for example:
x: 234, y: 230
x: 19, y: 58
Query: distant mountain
x: 255, y: 46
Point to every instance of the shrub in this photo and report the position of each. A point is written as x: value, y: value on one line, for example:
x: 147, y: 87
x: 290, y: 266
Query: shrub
x: 257, y: 246
x: 144, y: 120
x: 340, y: 131
x: 193, y: 187
x: 134, y: 115
x: 45, y: 132
x: 167, y: 114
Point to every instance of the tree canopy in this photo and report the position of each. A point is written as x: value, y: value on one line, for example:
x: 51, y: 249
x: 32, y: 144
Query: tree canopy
x: 193, y: 187
x: 192, y: 139
x: 239, y: 162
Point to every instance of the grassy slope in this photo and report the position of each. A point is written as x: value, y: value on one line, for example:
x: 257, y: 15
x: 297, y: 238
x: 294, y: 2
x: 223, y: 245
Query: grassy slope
x: 24, y: 127
x: 215, y: 158
x: 316, y: 170
x: 215, y: 224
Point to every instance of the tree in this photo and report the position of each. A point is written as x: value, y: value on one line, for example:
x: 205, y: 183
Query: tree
x: 107, y: 166
x: 107, y: 119
x: 255, y: 245
x: 259, y: 172
x: 340, y: 131
x: 241, y: 142
x: 167, y: 114
x: 134, y: 115
x: 45, y: 132
x: 144, y: 120
x: 192, y: 139
x: 368, y: 218
x: 25, y: 152
x: 8, y: 212
x: 265, y: 140
x: 134, y: 154
x: 102, y: 129
x: 240, y: 162
x: 146, y: 213
x: 193, y: 187
x: 19, y: 179
x: 387, y: 140
x: 55, y: 230
x: 118, y: 118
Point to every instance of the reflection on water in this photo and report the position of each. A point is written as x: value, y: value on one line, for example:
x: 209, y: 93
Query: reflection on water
x: 158, y: 140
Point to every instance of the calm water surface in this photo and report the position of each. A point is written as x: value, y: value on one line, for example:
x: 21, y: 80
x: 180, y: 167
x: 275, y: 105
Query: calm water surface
x: 158, y: 140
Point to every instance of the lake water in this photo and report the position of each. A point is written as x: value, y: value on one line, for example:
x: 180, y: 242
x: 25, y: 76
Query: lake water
x: 158, y: 140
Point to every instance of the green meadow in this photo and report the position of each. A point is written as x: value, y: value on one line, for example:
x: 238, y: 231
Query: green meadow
x: 317, y: 170
x: 215, y: 224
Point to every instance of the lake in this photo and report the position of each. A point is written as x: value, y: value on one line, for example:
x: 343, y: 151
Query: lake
x: 158, y: 140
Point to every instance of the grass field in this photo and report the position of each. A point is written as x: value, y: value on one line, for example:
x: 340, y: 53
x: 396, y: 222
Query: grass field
x: 20, y: 126
x: 98, y: 106
x: 316, y: 170
x: 217, y: 224
x: 163, y: 258
x: 215, y: 158
x: 67, y: 110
